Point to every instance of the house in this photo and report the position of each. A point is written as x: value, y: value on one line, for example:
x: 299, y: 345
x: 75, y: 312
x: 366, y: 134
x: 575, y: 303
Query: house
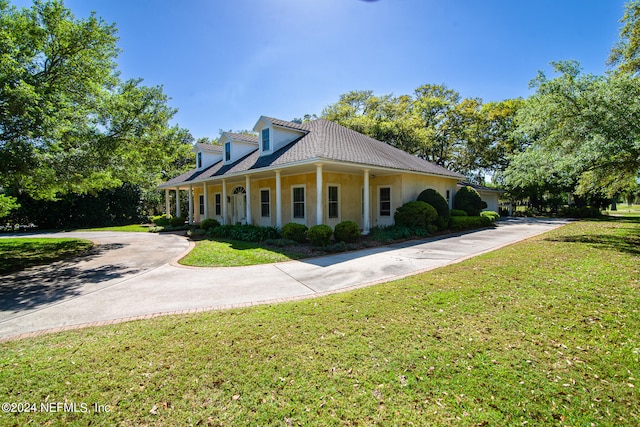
x: 317, y: 172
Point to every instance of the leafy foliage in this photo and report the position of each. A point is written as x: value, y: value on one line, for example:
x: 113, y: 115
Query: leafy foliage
x: 469, y: 222
x: 492, y: 215
x: 468, y: 200
x: 346, y: 231
x: 209, y: 223
x: 244, y: 232
x: 295, y: 232
x: 319, y: 235
x: 415, y: 214
x: 625, y: 55
x: 436, y: 200
x: 390, y: 233
x: 458, y: 212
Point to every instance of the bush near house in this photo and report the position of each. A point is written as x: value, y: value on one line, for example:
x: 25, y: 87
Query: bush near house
x: 346, y: 231
x: 468, y: 199
x: 416, y: 214
x: 177, y: 221
x: 492, y: 215
x: 295, y: 232
x: 436, y: 200
x: 245, y: 233
x: 390, y: 233
x: 469, y: 222
x: 160, y: 220
x: 457, y: 212
x: 209, y: 223
x: 319, y: 235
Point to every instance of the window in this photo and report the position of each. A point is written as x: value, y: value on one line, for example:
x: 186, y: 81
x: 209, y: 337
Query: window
x: 385, y: 201
x: 218, y: 204
x: 227, y: 151
x: 298, y: 202
x: 199, y: 160
x: 332, y: 203
x: 201, y: 200
x: 265, y: 205
x: 449, y: 198
x: 265, y: 139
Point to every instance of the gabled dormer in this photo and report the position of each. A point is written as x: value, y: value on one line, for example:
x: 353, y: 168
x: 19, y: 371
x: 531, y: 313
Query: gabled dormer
x: 273, y: 134
x: 237, y: 145
x: 207, y: 155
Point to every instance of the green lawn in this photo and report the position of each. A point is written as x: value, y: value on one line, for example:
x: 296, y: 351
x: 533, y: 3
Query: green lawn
x: 220, y: 253
x: 19, y: 253
x: 541, y: 333
x: 625, y: 210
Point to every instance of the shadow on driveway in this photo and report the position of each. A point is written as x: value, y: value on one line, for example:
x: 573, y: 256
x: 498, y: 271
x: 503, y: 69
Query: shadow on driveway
x: 43, y: 285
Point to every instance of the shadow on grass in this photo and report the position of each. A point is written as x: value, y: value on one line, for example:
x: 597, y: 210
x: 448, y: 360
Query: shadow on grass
x: 34, y: 287
x: 626, y: 239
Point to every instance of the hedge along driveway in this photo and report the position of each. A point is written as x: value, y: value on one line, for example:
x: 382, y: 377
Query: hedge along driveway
x: 170, y: 288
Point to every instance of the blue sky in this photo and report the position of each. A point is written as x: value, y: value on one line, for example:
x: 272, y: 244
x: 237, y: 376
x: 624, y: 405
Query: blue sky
x: 226, y: 62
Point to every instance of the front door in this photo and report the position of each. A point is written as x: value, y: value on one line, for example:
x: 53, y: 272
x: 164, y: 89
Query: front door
x: 239, y: 206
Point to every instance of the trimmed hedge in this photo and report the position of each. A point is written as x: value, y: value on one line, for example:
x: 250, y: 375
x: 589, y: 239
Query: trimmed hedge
x: 246, y: 233
x: 436, y: 200
x: 319, y: 235
x: 346, y: 231
x: 468, y: 222
x: 458, y: 212
x: 396, y: 232
x: 178, y: 221
x: 209, y: 223
x: 295, y: 232
x: 492, y: 215
x: 415, y: 214
x: 160, y: 220
x: 468, y: 199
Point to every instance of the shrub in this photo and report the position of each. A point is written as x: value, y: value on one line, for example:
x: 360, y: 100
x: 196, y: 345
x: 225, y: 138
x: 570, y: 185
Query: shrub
x: 160, y: 220
x: 280, y: 243
x: 436, y: 200
x: 295, y: 232
x: 468, y: 199
x: 396, y: 232
x: 415, y: 214
x: 336, y: 247
x: 347, y: 231
x: 492, y: 215
x: 209, y: 223
x: 178, y: 221
x: 320, y: 235
x: 246, y: 233
x: 458, y: 212
x: 468, y: 222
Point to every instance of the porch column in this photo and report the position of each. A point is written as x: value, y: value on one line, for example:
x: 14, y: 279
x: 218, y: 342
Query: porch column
x: 319, y: 193
x: 365, y: 225
x: 247, y: 188
x: 177, y: 202
x: 206, y: 200
x: 190, y: 215
x: 278, y: 200
x: 167, y: 203
x: 224, y: 201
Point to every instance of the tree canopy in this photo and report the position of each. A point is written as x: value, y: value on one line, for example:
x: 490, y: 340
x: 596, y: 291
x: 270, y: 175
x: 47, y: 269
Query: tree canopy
x: 68, y: 122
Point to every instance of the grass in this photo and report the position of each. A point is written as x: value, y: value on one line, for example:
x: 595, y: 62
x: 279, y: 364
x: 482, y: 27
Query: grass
x: 228, y: 253
x: 19, y: 253
x: 625, y: 210
x: 544, y: 332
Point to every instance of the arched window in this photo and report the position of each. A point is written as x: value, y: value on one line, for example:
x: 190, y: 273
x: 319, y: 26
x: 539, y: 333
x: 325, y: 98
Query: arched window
x: 239, y: 190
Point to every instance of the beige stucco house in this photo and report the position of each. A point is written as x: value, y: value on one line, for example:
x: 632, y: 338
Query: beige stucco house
x: 312, y: 173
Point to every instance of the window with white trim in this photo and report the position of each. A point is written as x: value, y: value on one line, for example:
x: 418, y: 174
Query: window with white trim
x: 218, y: 204
x: 385, y: 201
x: 265, y: 140
x: 201, y: 203
x: 298, y: 202
x: 333, y: 201
x: 227, y: 151
x: 199, y: 159
x: 265, y: 203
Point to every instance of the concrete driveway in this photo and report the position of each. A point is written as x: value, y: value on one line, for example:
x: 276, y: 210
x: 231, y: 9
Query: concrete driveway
x: 134, y: 275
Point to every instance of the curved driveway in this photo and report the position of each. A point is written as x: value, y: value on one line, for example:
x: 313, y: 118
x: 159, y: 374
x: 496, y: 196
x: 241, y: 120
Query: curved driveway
x: 133, y: 275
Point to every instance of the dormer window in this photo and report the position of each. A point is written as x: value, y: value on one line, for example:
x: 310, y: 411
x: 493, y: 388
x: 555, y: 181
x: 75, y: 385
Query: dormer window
x: 227, y: 151
x: 265, y: 139
x: 199, y: 160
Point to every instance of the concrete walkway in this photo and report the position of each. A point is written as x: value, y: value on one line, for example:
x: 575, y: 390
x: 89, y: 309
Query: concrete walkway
x: 134, y: 275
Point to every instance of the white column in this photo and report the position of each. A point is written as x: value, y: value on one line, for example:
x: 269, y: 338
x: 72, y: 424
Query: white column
x: 167, y: 203
x: 366, y: 226
x: 247, y: 188
x: 177, y: 202
x: 319, y: 201
x: 206, y: 200
x: 224, y: 201
x: 278, y: 200
x: 190, y: 215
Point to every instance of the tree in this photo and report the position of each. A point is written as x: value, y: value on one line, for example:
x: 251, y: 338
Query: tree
x: 584, y: 133
x: 625, y: 55
x: 68, y: 123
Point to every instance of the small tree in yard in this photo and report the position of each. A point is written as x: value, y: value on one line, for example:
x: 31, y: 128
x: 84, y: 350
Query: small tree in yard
x: 416, y: 214
x: 468, y: 200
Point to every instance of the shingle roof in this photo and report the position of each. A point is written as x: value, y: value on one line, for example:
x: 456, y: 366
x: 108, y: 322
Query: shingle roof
x: 243, y: 137
x: 209, y: 148
x: 323, y: 140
